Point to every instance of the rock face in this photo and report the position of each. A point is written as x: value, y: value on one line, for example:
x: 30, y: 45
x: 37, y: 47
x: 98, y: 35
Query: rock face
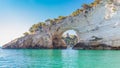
x: 83, y: 46
x: 36, y: 41
x: 98, y: 28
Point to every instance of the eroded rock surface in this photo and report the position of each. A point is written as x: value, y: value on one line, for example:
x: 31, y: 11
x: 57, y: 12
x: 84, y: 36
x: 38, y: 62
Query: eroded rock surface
x: 83, y: 46
x: 100, y: 24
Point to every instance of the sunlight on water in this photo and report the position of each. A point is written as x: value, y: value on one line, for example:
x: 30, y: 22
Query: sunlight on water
x: 26, y: 58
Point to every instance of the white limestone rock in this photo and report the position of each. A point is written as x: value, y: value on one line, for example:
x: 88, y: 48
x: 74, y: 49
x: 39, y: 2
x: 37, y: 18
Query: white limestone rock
x: 103, y: 21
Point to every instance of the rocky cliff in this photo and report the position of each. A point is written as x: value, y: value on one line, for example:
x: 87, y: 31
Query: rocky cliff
x: 99, y: 24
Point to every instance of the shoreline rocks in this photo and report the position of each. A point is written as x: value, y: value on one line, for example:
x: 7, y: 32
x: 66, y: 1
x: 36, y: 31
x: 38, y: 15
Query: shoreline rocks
x: 83, y: 46
x: 36, y: 41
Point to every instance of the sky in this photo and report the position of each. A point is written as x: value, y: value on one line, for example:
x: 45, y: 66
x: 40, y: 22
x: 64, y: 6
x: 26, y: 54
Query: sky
x: 17, y: 16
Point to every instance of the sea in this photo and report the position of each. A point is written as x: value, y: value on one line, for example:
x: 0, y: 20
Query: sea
x: 37, y: 58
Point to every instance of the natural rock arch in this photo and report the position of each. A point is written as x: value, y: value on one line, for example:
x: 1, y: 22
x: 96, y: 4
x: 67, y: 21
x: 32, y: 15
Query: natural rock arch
x: 97, y: 25
x: 70, y: 37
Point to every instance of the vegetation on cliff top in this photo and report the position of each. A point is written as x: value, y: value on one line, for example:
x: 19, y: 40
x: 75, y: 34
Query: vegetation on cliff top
x: 54, y: 21
x: 85, y: 7
x: 36, y: 27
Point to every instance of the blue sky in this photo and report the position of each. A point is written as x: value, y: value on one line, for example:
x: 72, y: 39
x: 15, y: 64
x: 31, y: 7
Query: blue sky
x: 16, y: 16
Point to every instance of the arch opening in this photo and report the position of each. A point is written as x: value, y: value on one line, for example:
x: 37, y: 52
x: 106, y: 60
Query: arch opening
x: 70, y: 37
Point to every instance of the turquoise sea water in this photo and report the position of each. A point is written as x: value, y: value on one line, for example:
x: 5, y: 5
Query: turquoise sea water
x: 31, y: 58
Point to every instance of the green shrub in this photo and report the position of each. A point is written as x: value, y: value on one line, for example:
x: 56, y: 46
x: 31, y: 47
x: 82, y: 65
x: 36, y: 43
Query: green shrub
x: 36, y: 27
x: 26, y: 33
